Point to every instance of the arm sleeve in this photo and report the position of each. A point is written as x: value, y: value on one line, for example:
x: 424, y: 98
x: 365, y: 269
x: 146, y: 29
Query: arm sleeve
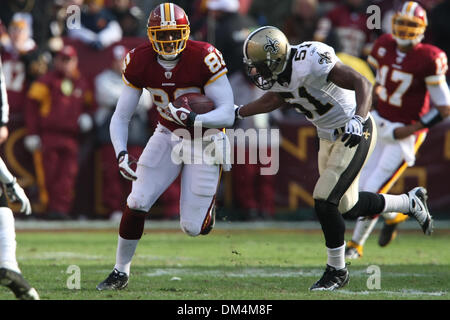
x: 4, y: 106
x: 120, y: 120
x: 440, y: 94
x: 5, y: 174
x: 221, y: 93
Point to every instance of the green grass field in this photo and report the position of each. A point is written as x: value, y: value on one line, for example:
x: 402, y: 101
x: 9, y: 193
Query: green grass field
x: 278, y: 264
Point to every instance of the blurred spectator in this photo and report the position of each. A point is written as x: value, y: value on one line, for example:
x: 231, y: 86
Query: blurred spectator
x: 21, y: 61
x: 270, y: 12
x: 440, y: 28
x: 228, y: 30
x: 108, y: 86
x: 129, y: 17
x: 56, y: 114
x: 345, y: 29
x: 99, y: 28
x: 302, y: 23
x: 37, y: 9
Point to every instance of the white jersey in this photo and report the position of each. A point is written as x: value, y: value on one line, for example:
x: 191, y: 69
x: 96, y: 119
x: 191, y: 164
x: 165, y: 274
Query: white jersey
x: 304, y: 85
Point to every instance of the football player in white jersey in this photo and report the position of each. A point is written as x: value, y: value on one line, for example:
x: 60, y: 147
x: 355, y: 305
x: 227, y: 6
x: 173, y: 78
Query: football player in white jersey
x: 336, y: 99
x: 10, y: 274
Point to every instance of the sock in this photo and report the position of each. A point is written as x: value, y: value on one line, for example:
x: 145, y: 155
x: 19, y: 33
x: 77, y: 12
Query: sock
x: 124, y: 254
x: 396, y: 203
x: 389, y: 215
x: 130, y: 232
x: 363, y: 228
x: 8, y: 240
x: 336, y: 257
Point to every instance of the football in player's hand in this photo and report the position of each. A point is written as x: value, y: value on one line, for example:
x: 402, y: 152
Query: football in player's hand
x: 198, y: 102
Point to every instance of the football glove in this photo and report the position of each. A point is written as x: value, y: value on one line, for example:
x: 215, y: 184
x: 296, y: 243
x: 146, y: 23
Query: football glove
x: 183, y: 115
x: 124, y: 161
x: 353, y: 131
x: 16, y: 194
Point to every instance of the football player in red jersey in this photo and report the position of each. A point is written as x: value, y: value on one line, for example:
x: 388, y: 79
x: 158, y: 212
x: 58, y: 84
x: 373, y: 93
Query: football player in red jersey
x: 408, y: 73
x: 169, y: 66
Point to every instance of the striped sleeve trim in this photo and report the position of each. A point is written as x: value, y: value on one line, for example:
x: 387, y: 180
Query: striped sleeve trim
x: 435, y: 79
x: 128, y: 83
x: 216, y: 76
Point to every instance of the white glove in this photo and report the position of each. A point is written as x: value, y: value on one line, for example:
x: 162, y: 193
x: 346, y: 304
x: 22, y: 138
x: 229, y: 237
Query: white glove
x: 32, y: 142
x: 85, y: 122
x: 16, y: 193
x: 182, y: 115
x: 124, y: 166
x: 353, y: 131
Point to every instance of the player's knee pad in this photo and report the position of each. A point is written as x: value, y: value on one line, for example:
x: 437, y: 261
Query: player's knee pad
x: 139, y: 202
x: 190, y: 227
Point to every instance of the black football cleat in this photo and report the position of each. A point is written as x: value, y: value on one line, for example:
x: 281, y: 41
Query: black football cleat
x: 18, y: 285
x: 332, y: 279
x: 116, y: 281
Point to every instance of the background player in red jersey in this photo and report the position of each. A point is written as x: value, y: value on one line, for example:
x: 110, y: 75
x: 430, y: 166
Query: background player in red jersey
x: 408, y: 73
x: 169, y: 66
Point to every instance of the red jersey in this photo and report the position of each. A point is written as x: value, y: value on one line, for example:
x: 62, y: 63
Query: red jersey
x: 199, y: 64
x: 404, y: 77
x: 351, y: 29
x: 55, y: 104
x: 16, y: 81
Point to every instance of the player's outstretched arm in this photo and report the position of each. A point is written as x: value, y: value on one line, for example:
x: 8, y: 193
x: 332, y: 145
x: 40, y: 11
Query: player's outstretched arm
x: 348, y: 78
x: 266, y: 103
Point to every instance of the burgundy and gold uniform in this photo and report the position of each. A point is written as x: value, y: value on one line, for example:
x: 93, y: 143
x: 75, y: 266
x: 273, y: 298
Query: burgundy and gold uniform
x: 54, y: 106
x: 404, y: 77
x: 199, y: 64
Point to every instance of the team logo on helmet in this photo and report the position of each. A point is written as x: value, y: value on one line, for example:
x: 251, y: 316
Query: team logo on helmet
x: 272, y: 45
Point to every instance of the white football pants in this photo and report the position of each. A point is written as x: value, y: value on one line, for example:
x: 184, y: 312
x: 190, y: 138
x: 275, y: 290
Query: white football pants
x: 158, y: 167
x: 384, y: 167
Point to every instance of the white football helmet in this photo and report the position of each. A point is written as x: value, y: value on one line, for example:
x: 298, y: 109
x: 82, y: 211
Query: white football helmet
x: 266, y: 54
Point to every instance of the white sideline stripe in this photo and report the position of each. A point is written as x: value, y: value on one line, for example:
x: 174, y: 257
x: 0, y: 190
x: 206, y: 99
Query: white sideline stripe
x: 404, y: 292
x: 59, y: 255
x: 256, y: 273
x: 220, y: 225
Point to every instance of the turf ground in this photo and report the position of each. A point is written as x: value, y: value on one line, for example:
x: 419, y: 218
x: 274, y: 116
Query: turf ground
x: 270, y: 262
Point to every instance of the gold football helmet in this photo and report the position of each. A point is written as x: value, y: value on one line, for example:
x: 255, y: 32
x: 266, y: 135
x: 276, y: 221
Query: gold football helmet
x: 266, y: 54
x: 409, y: 24
x: 168, y: 30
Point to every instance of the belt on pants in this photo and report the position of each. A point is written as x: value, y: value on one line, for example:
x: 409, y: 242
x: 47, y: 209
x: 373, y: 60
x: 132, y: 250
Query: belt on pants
x: 339, y: 131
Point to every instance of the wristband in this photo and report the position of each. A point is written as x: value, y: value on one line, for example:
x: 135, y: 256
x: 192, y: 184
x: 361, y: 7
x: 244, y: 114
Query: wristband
x: 431, y: 118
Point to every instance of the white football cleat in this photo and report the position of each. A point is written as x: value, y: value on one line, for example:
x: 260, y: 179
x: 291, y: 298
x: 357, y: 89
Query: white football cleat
x: 419, y: 210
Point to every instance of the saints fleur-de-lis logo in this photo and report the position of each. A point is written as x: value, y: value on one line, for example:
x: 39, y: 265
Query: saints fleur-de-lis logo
x: 324, y: 57
x: 272, y: 45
